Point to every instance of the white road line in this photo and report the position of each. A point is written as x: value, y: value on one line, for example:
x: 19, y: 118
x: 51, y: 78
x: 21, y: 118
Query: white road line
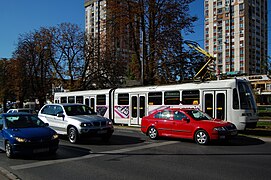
x: 99, y: 154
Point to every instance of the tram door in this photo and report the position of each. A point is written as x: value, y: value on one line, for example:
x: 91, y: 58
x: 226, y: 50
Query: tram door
x: 90, y: 101
x: 215, y: 104
x: 137, y: 108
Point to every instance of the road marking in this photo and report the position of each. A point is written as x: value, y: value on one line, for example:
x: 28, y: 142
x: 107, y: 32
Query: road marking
x: 92, y: 155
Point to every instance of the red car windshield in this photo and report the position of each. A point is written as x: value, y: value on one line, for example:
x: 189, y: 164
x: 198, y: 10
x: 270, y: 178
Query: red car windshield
x: 198, y: 115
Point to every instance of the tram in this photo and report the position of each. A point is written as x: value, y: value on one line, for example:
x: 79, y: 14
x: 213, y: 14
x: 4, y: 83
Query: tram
x: 230, y: 100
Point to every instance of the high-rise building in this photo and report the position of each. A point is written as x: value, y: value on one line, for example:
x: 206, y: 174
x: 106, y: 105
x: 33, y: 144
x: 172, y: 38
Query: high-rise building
x: 106, y: 23
x: 95, y: 17
x: 236, y: 34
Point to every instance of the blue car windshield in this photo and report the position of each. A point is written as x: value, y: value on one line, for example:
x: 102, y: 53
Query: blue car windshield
x: 23, y: 121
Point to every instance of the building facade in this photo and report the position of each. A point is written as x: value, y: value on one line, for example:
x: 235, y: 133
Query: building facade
x: 95, y: 17
x: 236, y: 34
x: 106, y: 21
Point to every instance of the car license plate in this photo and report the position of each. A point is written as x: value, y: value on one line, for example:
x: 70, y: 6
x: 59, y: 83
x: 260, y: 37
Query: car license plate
x: 102, y: 132
x: 40, y: 150
x: 233, y: 133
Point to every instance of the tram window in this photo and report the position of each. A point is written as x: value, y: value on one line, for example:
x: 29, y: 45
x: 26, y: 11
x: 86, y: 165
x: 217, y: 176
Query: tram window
x: 209, y: 104
x: 63, y: 100
x: 92, y: 103
x: 87, y: 101
x: 101, y: 100
x: 123, y: 99
x: 79, y: 99
x: 190, y: 97
x: 172, y: 98
x: 142, y: 106
x: 155, y: 98
x: 220, y: 104
x: 71, y: 99
x: 235, y: 99
x: 245, y: 96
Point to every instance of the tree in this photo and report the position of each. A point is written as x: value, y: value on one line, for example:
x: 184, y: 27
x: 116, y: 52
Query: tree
x: 6, y: 81
x: 155, y: 28
x: 68, y: 54
x: 34, y: 54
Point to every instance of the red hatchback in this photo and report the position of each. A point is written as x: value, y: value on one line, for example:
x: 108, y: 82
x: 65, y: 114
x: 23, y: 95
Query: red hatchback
x: 188, y: 124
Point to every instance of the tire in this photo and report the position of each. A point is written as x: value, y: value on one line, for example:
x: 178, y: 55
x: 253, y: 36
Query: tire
x: 152, y: 133
x: 73, y: 135
x: 9, y: 150
x: 201, y: 137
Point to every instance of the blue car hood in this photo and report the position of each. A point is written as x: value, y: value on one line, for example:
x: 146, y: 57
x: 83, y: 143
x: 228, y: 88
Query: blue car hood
x: 31, y: 133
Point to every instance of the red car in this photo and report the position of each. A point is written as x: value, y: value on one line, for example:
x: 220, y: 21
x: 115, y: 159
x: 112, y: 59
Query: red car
x: 187, y: 124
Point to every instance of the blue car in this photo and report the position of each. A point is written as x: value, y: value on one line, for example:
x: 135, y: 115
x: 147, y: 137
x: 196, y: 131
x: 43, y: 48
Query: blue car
x: 24, y: 133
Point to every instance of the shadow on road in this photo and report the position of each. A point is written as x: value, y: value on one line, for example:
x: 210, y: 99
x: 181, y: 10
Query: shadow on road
x: 258, y: 132
x: 74, y: 150
x: 114, y: 140
x: 240, y: 140
x: 63, y: 152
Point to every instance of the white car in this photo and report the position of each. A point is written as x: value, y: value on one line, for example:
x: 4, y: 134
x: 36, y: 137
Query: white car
x: 76, y: 121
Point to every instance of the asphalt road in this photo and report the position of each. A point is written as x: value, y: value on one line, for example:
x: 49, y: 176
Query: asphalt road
x: 131, y: 155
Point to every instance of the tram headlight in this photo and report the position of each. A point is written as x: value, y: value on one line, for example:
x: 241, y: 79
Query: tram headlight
x: 219, y: 129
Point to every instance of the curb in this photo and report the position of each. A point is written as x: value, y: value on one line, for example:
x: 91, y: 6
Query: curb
x: 6, y: 175
x: 265, y: 139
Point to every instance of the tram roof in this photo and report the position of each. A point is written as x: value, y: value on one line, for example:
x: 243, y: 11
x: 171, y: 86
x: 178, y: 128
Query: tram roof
x: 218, y: 84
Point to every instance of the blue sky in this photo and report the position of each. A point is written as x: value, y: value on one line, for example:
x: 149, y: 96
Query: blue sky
x: 23, y: 16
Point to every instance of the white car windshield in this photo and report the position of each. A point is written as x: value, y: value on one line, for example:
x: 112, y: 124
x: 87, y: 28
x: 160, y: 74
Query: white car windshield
x: 74, y: 110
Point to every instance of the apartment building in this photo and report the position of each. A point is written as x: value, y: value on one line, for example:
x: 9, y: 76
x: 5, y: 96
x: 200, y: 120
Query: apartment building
x: 236, y: 34
x: 95, y: 17
x: 105, y: 21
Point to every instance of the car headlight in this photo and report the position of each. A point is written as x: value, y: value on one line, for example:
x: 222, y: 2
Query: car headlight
x: 219, y: 129
x: 55, y: 136
x: 109, y: 122
x: 85, y: 124
x: 21, y: 140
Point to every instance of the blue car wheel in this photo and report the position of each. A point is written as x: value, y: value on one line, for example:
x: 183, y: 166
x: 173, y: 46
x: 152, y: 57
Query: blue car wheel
x: 9, y: 151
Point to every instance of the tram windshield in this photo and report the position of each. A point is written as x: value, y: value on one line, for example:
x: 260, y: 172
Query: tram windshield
x: 247, y: 100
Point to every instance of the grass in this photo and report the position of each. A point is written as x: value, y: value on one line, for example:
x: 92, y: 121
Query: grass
x: 264, y: 125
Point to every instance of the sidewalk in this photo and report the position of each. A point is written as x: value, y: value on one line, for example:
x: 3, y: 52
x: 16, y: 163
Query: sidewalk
x: 265, y: 119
